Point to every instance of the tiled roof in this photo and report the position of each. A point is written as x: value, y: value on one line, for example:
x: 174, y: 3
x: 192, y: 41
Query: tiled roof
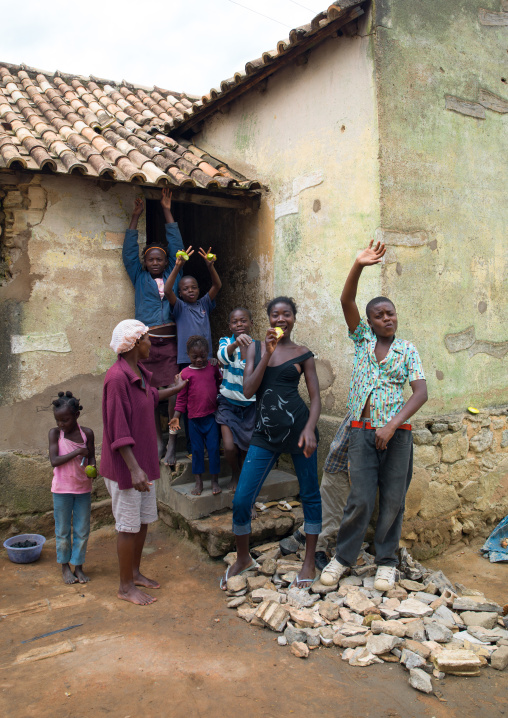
x: 301, y: 39
x: 70, y: 124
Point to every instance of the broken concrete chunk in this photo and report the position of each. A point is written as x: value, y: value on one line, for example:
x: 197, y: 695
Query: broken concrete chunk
x: 268, y: 567
x: 499, y: 658
x: 301, y: 599
x: 329, y: 610
x: 444, y: 615
x: 246, y: 612
x: 417, y: 647
x: 413, y: 608
x: 484, y: 619
x: 438, y: 632
x: 415, y: 630
x: 410, y: 659
x: 313, y: 637
x: 285, y: 566
x: 349, y: 641
x: 363, y: 657
x: 397, y: 592
x: 411, y: 585
x: 255, y: 582
x: 273, y: 615
x: 236, y: 601
x: 458, y: 662
x: 353, y: 629
x: 424, y: 597
x: 392, y: 628
x: 304, y: 617
x: 420, y: 680
x: 382, y: 643
x: 318, y: 587
x: 469, y: 604
x: 236, y: 583
x: 439, y: 580
x: 265, y: 594
x: 358, y: 603
x: 351, y: 581
x: 293, y: 634
x: 300, y: 650
x: 282, y: 640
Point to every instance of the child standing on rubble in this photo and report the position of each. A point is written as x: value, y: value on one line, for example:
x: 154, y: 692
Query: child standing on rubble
x: 381, y: 443
x: 69, y: 444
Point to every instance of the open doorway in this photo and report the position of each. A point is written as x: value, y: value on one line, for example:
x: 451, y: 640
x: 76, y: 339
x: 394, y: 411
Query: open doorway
x: 233, y: 233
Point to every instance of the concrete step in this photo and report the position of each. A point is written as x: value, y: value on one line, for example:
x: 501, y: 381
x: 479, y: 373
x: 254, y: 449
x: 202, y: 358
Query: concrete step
x: 178, y: 497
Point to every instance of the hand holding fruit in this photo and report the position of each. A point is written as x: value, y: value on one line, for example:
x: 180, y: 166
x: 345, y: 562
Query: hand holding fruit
x: 271, y: 340
x: 208, y: 256
x: 91, y: 471
x: 183, y: 256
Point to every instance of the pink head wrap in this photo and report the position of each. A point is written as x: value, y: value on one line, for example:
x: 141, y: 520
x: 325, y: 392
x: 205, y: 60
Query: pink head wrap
x: 126, y: 334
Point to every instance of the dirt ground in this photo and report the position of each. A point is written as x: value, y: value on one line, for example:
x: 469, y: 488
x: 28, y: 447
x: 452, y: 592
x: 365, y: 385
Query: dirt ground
x: 188, y: 654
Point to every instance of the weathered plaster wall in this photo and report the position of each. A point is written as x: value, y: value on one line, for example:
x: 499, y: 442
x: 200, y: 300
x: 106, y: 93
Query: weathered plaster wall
x: 310, y: 134
x: 444, y: 179
x: 64, y: 290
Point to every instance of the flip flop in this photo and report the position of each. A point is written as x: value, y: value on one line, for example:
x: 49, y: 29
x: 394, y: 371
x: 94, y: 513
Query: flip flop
x: 224, y: 579
x: 294, y: 583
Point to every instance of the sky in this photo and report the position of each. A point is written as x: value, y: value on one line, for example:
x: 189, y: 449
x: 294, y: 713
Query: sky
x: 180, y: 45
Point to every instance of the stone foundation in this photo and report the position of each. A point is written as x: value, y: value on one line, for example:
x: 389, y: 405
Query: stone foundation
x: 460, y: 480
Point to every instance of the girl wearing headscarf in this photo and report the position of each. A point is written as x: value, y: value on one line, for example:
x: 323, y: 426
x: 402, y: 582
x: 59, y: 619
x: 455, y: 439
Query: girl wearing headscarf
x: 129, y: 460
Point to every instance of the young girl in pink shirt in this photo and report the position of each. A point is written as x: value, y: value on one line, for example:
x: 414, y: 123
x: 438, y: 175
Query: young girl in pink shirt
x: 71, y: 447
x: 199, y: 400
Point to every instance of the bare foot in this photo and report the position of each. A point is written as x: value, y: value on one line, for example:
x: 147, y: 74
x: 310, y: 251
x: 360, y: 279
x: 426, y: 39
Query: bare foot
x: 253, y: 513
x: 140, y: 580
x: 237, y: 568
x: 82, y: 577
x: 216, y: 489
x: 306, y: 575
x: 67, y: 574
x: 196, y: 491
x: 134, y: 595
x: 232, y: 484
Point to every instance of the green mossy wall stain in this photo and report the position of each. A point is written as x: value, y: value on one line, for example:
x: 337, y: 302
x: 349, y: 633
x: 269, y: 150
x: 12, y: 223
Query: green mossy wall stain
x: 246, y: 133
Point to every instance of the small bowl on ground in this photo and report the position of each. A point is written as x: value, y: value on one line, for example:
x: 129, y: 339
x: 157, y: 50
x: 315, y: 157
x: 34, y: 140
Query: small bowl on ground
x: 24, y: 555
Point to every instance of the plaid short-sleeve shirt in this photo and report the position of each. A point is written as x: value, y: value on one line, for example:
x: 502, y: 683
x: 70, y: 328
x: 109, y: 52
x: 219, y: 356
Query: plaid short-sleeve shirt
x: 383, y: 381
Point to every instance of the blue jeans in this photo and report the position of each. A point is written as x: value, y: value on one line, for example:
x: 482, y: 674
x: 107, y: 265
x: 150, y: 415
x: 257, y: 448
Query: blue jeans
x: 75, y: 508
x: 256, y: 467
x: 204, y: 430
x: 371, y: 469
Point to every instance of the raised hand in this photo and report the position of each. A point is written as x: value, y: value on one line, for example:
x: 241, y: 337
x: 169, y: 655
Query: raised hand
x: 372, y: 254
x: 204, y: 254
x: 166, y: 198
x: 180, y: 260
x: 139, y: 206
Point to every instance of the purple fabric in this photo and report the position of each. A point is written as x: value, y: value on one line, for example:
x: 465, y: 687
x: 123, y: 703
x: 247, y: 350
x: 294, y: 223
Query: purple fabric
x: 128, y: 418
x: 199, y: 397
x: 193, y: 319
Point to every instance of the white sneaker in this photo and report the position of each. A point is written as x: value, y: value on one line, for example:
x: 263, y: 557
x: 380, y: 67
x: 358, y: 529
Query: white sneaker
x: 331, y: 574
x: 385, y: 578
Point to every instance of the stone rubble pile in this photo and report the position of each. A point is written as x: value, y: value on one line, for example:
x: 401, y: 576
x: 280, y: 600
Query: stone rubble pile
x: 428, y: 625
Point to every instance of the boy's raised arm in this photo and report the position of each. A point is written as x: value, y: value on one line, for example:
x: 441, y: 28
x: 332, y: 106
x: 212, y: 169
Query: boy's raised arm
x: 216, y: 283
x: 370, y: 255
x: 168, y: 286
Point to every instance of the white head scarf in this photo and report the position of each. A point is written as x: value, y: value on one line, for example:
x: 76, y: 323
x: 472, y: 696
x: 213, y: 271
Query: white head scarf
x: 126, y: 334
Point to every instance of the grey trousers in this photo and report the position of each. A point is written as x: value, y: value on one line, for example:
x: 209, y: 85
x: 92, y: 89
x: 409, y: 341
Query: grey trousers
x: 334, y: 491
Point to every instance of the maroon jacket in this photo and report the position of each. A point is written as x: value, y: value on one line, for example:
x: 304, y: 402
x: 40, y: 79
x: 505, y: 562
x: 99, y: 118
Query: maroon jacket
x: 128, y: 418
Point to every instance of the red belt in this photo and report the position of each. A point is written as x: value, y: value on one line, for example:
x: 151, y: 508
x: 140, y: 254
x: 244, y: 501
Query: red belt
x: 367, y: 425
